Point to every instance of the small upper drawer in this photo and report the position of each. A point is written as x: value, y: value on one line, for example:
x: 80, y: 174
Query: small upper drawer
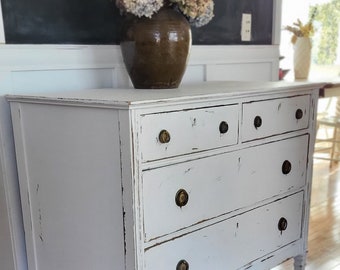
x: 170, y: 134
x: 271, y: 117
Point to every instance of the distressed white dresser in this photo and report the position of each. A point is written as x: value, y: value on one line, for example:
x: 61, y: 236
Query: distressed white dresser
x: 209, y: 176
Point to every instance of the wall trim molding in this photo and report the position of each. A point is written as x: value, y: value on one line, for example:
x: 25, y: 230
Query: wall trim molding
x: 2, y: 30
x: 277, y: 22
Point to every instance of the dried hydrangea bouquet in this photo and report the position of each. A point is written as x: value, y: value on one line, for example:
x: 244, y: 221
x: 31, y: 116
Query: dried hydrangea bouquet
x: 156, y: 38
x: 198, y: 12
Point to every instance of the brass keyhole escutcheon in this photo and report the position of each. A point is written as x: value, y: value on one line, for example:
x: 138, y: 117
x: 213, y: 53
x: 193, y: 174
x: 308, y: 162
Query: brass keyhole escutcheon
x: 182, y: 265
x: 182, y: 198
x: 164, y: 136
x: 283, y: 224
x: 223, y: 127
x: 286, y: 167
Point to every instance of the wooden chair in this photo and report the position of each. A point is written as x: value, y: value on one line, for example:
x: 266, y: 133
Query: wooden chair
x: 327, y: 144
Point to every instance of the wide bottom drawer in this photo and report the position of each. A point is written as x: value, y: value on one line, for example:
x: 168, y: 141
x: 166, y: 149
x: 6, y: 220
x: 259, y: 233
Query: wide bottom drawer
x: 234, y: 242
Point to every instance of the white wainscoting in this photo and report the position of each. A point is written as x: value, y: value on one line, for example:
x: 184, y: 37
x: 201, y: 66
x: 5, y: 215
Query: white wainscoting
x: 42, y: 68
x: 65, y: 67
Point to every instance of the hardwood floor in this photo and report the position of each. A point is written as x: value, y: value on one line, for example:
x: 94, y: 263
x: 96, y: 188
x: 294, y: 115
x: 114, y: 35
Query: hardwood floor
x: 324, y: 229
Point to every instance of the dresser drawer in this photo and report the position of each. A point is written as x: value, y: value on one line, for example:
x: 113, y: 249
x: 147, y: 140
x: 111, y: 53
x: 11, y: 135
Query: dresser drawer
x: 271, y: 117
x: 181, y: 195
x: 252, y: 234
x: 170, y: 134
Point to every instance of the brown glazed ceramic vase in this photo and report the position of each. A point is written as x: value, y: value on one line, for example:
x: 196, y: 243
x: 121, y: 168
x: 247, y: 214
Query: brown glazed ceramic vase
x: 155, y: 50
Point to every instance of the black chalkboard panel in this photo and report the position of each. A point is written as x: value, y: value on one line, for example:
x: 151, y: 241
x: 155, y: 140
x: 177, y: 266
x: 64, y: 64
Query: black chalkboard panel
x: 225, y: 27
x: 99, y: 22
x: 61, y: 21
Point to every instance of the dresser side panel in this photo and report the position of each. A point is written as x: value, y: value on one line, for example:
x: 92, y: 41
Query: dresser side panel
x: 70, y: 178
x: 308, y: 188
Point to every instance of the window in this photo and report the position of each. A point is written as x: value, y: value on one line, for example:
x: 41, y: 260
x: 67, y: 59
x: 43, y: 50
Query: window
x: 326, y: 43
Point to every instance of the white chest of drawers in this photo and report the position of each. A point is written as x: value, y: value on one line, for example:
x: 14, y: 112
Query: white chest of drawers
x: 209, y: 176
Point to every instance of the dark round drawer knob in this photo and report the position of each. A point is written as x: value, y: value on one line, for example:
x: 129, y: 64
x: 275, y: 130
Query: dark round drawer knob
x: 224, y: 127
x: 286, y: 167
x: 182, y: 198
x: 182, y: 265
x: 257, y: 121
x: 164, y: 136
x: 283, y: 224
x: 298, y: 114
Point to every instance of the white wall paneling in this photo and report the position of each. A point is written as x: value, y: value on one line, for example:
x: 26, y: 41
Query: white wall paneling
x: 66, y: 79
x: 63, y: 67
x: 244, y: 63
x: 239, y: 71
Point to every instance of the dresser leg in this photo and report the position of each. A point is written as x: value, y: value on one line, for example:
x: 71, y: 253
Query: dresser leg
x: 299, y: 262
